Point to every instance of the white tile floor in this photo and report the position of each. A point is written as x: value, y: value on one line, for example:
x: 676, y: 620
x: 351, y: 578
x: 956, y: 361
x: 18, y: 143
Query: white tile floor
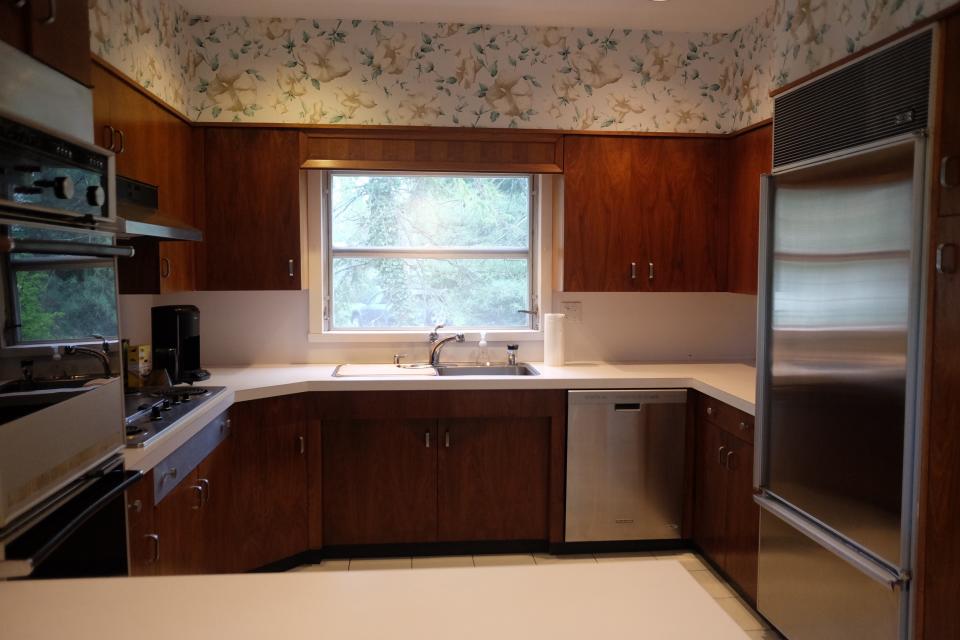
x: 713, y: 584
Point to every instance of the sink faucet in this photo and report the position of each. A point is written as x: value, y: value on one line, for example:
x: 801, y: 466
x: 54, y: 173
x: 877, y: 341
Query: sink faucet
x: 103, y: 355
x: 436, y: 343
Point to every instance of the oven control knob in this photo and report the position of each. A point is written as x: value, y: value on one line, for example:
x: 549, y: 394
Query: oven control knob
x: 62, y: 186
x: 96, y: 196
x: 185, y: 397
x: 166, y: 406
x: 155, y: 414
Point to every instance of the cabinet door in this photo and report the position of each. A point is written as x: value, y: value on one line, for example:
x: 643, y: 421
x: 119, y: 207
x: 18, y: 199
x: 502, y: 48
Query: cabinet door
x: 750, y: 157
x: 743, y: 518
x: 949, y: 114
x: 179, y: 523
x: 677, y: 187
x: 601, y: 217
x: 379, y: 481
x: 258, y: 486
x: 142, y: 534
x: 60, y: 36
x: 710, y: 510
x: 493, y: 479
x: 13, y: 25
x: 251, y: 209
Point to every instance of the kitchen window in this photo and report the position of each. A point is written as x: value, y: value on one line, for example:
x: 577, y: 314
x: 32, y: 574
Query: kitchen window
x: 406, y: 251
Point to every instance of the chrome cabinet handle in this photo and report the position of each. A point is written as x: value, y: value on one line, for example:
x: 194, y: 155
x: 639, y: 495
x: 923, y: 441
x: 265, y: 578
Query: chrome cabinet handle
x: 650, y: 271
x: 169, y: 473
x: 946, y: 264
x: 19, y: 4
x: 302, y: 444
x: 51, y: 12
x: 709, y: 411
x: 156, y: 546
x: 290, y: 267
x: 204, y: 491
x: 165, y: 268
x: 446, y: 439
x: 136, y: 506
x: 727, y: 465
x: 720, y: 455
x: 633, y: 270
x: 426, y: 437
x: 743, y: 426
x: 199, y: 490
x: 123, y: 141
x: 947, y: 179
x: 113, y: 135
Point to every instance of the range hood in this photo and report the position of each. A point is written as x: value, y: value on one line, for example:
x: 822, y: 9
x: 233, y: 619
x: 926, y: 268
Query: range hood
x: 137, y: 214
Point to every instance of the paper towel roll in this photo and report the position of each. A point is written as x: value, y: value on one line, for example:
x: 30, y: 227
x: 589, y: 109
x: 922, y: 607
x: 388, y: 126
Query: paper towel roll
x: 553, y: 344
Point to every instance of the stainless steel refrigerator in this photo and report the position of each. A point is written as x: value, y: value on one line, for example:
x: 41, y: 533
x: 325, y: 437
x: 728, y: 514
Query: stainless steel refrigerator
x: 839, y: 324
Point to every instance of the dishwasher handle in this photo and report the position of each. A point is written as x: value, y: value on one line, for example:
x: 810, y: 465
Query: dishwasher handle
x: 628, y: 407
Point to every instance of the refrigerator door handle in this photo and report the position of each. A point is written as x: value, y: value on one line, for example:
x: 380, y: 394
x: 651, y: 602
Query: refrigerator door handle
x: 868, y: 567
x: 764, y: 275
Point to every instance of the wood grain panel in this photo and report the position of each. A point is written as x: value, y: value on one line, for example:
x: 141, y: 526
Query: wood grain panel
x: 140, y: 524
x: 64, y: 43
x: 948, y: 112
x: 13, y: 25
x: 493, y: 479
x: 429, y: 149
x: 710, y: 512
x: 750, y: 156
x: 180, y: 523
x: 379, y: 481
x: 251, y: 215
x: 735, y: 422
x: 743, y: 519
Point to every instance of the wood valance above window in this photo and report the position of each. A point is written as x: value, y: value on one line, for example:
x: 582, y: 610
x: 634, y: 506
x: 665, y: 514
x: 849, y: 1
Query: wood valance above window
x: 432, y: 149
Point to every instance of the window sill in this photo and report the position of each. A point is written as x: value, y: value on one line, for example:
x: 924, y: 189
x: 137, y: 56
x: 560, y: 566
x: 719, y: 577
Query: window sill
x: 420, y: 337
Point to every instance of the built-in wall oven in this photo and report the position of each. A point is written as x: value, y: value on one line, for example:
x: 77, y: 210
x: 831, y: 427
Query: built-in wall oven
x: 61, y: 394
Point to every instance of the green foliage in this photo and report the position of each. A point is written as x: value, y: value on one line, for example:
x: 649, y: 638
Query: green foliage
x: 54, y: 305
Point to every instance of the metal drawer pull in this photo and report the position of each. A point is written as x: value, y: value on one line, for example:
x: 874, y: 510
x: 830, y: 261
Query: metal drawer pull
x: 743, y: 426
x: 426, y: 437
x: 156, y: 546
x: 628, y: 407
x: 51, y: 12
x: 946, y: 258
x: 199, y: 491
x: 720, y: 455
x: 136, y: 506
x: 19, y: 4
x: 709, y: 411
x: 727, y: 465
x: 290, y: 267
x: 169, y: 473
x: 113, y: 136
x: 446, y: 439
x: 204, y: 491
x: 164, y: 267
x: 123, y: 141
x: 947, y: 179
x: 633, y: 270
x: 302, y: 444
x: 650, y: 271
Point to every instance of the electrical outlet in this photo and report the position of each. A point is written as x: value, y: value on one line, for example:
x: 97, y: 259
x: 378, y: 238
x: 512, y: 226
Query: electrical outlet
x: 573, y: 311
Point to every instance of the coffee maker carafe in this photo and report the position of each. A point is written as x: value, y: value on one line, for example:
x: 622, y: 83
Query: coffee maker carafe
x: 176, y: 342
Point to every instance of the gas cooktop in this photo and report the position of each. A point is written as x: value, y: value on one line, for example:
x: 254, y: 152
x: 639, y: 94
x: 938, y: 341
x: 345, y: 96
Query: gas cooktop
x: 150, y: 411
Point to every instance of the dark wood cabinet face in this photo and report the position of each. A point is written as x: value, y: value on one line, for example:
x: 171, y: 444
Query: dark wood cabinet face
x: 493, y: 479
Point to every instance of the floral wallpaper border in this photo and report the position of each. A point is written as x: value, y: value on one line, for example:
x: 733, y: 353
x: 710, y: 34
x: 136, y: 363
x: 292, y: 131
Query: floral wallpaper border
x: 447, y: 74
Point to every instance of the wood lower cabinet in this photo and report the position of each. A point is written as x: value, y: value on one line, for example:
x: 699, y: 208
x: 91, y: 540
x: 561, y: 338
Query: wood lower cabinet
x: 493, y: 479
x: 154, y: 146
x: 250, y: 211
x: 258, y: 485
x: 379, y: 481
x: 725, y: 519
x: 55, y: 33
x: 143, y: 540
x: 642, y: 213
x: 181, y: 521
x: 421, y: 467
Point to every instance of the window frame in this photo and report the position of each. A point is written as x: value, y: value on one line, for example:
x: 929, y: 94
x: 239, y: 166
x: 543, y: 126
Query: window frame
x: 320, y: 261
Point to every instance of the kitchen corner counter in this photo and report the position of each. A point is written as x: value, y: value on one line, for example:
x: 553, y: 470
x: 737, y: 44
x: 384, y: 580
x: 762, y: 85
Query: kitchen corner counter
x: 733, y: 384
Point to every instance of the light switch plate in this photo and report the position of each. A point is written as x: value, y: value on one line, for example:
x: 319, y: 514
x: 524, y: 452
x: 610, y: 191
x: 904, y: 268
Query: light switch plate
x: 573, y: 311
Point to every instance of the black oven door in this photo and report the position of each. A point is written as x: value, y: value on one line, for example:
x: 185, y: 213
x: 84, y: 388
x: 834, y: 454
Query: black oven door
x: 80, y: 535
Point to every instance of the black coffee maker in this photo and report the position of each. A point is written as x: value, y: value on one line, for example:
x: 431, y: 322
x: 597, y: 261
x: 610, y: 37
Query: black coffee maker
x: 176, y: 342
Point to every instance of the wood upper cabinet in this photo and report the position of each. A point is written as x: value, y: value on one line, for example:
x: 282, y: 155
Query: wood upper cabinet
x: 258, y: 485
x: 642, y: 213
x: 250, y: 211
x: 56, y: 33
x: 154, y: 146
x: 493, y: 479
x: 379, y: 480
x: 948, y: 139
x: 726, y: 521
x: 750, y: 157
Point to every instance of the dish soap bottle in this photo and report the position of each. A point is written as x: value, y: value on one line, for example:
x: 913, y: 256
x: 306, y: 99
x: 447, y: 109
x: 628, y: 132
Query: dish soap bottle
x: 483, y: 358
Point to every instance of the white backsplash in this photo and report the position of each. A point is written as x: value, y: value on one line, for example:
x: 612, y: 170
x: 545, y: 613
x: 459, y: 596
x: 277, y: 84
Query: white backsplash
x: 270, y: 327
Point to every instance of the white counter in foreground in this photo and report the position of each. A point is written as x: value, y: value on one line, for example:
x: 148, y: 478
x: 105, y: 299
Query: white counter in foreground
x: 733, y: 384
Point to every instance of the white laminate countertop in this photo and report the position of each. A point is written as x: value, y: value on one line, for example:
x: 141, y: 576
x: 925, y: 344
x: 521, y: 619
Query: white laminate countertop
x: 733, y: 384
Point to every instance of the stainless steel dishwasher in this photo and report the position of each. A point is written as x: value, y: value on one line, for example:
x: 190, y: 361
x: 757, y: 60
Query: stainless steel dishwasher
x: 625, y: 456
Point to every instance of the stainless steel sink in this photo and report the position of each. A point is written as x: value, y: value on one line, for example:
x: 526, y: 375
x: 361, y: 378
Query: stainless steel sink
x: 494, y: 370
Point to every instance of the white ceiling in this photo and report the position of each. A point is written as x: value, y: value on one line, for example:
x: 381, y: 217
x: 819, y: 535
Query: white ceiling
x: 672, y: 15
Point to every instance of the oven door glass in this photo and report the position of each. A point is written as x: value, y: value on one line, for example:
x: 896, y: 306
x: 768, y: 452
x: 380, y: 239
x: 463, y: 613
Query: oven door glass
x: 62, y: 284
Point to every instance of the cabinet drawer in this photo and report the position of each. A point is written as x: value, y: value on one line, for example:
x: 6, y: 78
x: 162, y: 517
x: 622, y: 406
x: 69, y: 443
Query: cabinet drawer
x: 731, y: 420
x: 171, y: 471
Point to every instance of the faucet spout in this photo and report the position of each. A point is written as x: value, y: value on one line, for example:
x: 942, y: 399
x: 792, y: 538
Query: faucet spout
x: 437, y: 346
x: 102, y: 356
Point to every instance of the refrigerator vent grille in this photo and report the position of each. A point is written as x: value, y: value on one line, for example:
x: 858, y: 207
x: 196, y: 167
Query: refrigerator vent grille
x: 882, y: 95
